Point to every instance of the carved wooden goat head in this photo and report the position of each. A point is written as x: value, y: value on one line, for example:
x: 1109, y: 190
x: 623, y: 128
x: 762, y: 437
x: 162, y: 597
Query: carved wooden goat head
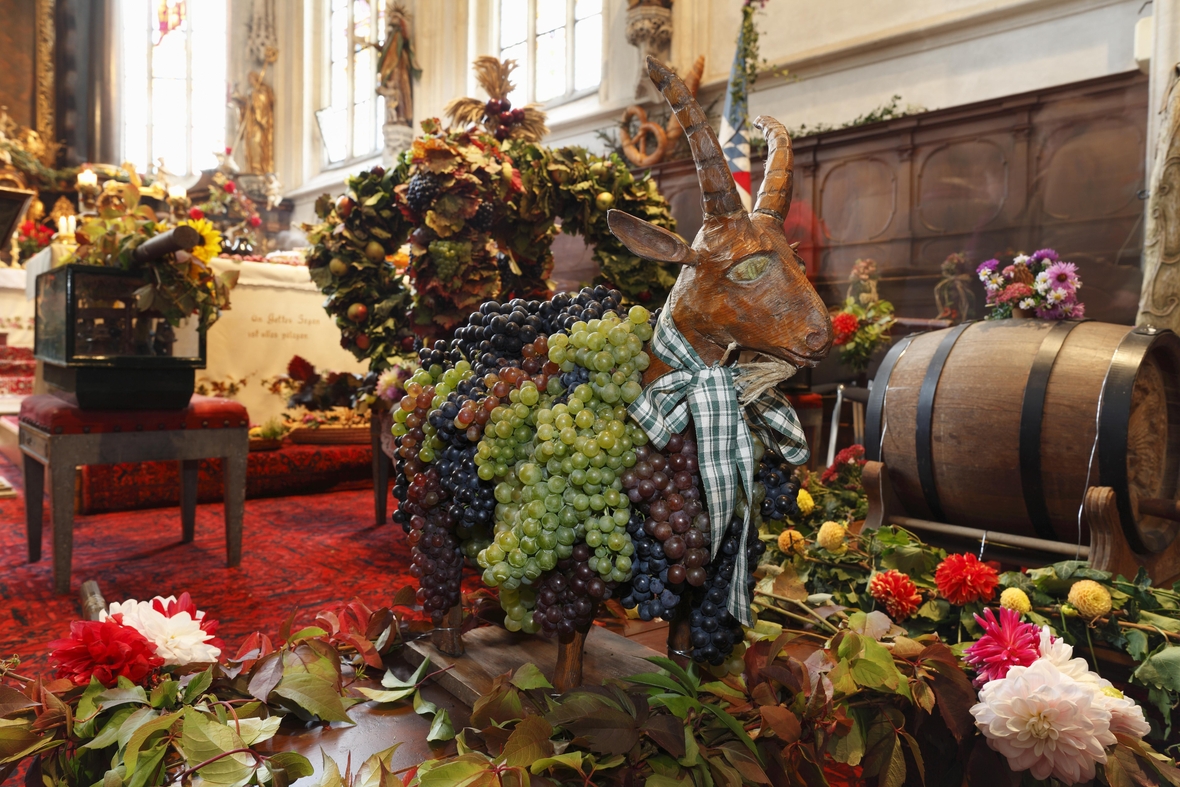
x: 741, y: 282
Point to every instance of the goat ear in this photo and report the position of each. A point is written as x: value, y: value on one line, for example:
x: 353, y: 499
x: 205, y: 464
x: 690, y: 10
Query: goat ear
x: 649, y: 241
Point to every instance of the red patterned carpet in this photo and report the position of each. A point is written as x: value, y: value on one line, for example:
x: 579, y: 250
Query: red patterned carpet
x: 299, y: 553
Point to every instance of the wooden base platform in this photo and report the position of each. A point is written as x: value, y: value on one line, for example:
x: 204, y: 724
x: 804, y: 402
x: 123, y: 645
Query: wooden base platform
x: 492, y: 651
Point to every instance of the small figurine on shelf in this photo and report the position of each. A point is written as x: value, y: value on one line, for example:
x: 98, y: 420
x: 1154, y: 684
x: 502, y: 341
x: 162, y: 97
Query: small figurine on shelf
x: 1040, y: 285
x: 862, y: 326
x: 953, y: 294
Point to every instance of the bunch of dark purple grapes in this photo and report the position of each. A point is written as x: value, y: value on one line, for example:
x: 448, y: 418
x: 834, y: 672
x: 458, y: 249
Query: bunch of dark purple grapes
x: 713, y: 631
x: 669, y: 527
x: 567, y: 597
x: 782, y: 488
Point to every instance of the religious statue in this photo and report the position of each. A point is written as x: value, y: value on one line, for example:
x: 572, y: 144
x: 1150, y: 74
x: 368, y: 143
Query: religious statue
x: 396, y: 68
x: 260, y: 126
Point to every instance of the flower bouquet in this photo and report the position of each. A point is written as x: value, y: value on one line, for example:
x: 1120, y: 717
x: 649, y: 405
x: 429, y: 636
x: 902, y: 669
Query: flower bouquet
x: 862, y: 325
x: 31, y: 237
x: 1039, y: 284
x: 180, y: 284
x: 233, y: 213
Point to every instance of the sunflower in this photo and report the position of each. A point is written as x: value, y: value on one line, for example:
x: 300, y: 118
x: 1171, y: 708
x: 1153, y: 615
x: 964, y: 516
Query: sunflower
x: 211, y: 239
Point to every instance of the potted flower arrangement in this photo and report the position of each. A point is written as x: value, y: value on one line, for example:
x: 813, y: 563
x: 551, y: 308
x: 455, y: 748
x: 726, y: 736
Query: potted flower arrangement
x: 862, y: 325
x: 31, y: 238
x: 1039, y: 284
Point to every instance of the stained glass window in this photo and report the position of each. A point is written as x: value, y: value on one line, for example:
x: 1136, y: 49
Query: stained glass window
x: 173, y: 83
x: 351, y: 112
x: 557, y: 46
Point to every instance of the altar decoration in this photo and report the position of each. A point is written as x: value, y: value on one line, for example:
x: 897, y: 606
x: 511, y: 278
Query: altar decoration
x: 31, y: 238
x: 179, y: 283
x: 233, y: 213
x: 147, y: 695
x: 1040, y: 284
x: 323, y: 406
x: 862, y: 325
x: 478, y: 204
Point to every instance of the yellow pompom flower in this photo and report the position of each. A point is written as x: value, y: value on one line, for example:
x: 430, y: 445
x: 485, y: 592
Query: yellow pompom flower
x: 1090, y: 599
x: 806, y: 502
x: 832, y: 537
x: 1017, y: 600
x: 791, y: 542
x: 210, y: 239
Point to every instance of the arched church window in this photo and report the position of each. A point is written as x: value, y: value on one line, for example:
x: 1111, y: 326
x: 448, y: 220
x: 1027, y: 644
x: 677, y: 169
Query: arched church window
x: 173, y: 83
x: 557, y: 45
x: 351, y: 112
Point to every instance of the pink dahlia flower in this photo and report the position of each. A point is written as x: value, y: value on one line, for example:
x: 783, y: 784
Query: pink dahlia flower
x: 1005, y: 643
x: 1045, y: 722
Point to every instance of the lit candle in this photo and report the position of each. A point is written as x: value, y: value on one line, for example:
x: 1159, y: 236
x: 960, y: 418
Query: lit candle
x: 61, y: 225
x: 87, y: 178
x: 177, y: 192
x: 71, y: 224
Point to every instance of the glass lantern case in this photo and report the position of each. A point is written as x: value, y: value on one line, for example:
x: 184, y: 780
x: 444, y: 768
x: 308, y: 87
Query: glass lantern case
x: 98, y: 344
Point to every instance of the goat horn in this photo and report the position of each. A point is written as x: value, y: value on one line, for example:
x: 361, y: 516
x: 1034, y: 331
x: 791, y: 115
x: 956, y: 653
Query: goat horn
x: 774, y: 195
x: 718, y: 191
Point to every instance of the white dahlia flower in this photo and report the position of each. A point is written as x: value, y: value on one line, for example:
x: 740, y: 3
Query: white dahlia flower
x: 1045, y: 722
x: 179, y: 639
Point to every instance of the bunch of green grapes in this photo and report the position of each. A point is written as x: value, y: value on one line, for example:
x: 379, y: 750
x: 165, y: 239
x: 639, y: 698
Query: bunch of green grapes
x: 556, y: 455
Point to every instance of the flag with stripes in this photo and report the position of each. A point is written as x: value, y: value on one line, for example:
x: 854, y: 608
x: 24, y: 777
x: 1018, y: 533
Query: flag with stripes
x: 735, y: 140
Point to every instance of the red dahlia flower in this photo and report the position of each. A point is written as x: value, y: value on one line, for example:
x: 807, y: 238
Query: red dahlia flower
x: 230, y: 187
x: 1005, y: 643
x: 844, y: 326
x: 255, y: 220
x: 196, y: 214
x: 962, y: 579
x: 897, y: 592
x: 106, y: 651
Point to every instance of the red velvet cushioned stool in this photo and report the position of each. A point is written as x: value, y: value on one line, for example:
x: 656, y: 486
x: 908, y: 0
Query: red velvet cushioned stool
x: 56, y: 434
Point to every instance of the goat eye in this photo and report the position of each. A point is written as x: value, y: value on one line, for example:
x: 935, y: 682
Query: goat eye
x: 749, y: 269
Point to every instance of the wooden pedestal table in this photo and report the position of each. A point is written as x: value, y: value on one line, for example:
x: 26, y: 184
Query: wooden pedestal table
x: 492, y: 651
x: 56, y: 435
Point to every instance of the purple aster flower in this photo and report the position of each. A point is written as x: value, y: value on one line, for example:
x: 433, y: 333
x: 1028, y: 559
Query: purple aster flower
x: 1063, y: 276
x: 1043, y: 255
x: 990, y: 266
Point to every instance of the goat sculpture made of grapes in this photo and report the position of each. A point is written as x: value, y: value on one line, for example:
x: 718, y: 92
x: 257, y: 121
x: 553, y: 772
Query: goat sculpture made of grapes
x: 516, y: 449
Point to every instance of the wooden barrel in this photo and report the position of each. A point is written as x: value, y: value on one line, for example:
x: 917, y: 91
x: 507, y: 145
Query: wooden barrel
x: 1002, y: 425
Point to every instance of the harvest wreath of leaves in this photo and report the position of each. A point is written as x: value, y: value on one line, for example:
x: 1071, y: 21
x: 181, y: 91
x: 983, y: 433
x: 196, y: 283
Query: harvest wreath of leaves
x: 480, y: 216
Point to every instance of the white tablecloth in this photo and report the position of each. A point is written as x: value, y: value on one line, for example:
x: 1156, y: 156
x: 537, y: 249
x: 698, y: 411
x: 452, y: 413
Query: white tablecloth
x: 275, y: 312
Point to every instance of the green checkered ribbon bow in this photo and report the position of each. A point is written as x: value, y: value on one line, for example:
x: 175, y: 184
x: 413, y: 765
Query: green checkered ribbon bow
x: 725, y: 445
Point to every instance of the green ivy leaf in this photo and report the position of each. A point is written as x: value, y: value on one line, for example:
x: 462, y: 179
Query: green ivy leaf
x: 529, y: 677
x: 202, y: 739
x: 1136, y: 644
x: 469, y: 770
x: 314, y: 695
x: 145, y: 731
x: 570, y: 759
x: 1161, y: 669
x: 441, y: 728
x: 528, y: 743
x: 198, y: 685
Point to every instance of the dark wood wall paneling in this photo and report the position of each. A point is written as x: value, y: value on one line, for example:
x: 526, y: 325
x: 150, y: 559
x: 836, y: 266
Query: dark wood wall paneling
x: 1060, y: 168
